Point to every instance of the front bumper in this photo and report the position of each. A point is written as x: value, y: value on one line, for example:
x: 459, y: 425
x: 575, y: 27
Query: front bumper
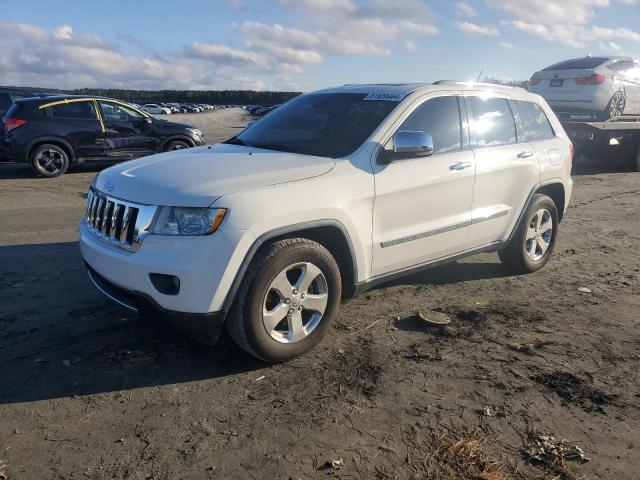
x: 200, y: 264
x: 204, y: 327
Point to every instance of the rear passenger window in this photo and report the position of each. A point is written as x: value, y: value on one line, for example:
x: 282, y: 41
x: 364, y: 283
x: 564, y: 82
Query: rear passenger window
x: 74, y: 110
x: 440, y: 118
x: 491, y: 121
x: 533, y: 124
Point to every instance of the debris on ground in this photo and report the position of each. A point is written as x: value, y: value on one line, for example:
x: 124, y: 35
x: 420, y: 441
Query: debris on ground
x: 584, y: 290
x: 334, y: 464
x: 545, y: 451
x: 528, y: 347
x: 4, y: 470
x: 446, y: 454
x: 434, y: 318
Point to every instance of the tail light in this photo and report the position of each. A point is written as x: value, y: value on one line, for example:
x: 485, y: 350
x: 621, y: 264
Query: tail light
x: 534, y: 81
x: 11, y: 123
x: 572, y: 151
x: 595, y: 79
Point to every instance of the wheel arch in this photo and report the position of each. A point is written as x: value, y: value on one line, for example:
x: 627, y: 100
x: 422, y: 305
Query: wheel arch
x: 60, y: 142
x: 331, y: 234
x: 555, y: 191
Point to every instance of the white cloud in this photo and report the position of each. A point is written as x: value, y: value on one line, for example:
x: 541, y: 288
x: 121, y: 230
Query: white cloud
x: 225, y: 55
x: 62, y: 58
x: 411, y: 45
x: 325, y: 5
x: 475, y: 30
x: 507, y: 45
x: 550, y: 12
x: 466, y: 10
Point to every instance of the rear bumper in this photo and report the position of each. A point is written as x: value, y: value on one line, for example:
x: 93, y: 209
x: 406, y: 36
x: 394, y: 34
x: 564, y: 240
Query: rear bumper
x: 204, y: 327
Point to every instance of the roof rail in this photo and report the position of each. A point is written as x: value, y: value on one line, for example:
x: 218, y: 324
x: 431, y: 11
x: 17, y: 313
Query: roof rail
x: 479, y: 84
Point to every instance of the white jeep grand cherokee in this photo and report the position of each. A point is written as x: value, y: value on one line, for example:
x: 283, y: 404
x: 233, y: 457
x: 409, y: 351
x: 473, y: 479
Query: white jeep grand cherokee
x: 332, y: 193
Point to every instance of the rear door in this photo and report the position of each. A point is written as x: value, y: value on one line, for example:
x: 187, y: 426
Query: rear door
x: 422, y: 204
x: 506, y: 169
x: 128, y: 133
x: 77, y: 122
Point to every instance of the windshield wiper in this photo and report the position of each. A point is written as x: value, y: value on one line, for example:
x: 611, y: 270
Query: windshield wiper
x: 236, y: 141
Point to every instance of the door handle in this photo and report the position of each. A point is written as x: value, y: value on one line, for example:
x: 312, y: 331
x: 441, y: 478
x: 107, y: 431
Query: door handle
x: 459, y: 165
x: 525, y: 154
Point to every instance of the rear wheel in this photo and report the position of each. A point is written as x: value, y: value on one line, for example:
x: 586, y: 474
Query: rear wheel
x: 49, y: 160
x: 616, y: 105
x: 287, y: 302
x: 635, y: 161
x: 176, y: 145
x: 532, y: 244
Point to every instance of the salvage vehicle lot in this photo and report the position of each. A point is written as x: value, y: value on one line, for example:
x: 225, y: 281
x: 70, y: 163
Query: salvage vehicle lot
x: 89, y: 391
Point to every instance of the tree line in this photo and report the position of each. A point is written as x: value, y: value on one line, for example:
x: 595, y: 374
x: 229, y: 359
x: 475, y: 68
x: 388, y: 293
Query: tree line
x: 213, y: 97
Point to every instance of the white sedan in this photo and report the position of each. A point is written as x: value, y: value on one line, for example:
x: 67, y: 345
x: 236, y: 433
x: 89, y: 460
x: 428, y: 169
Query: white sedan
x: 154, y: 108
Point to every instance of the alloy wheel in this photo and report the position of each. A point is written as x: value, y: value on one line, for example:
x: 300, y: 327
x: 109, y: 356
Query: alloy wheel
x: 50, y: 161
x: 295, y: 302
x: 618, y: 103
x: 539, y: 234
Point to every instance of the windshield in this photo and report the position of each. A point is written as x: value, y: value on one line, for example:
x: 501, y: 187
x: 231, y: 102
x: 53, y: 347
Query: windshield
x: 325, y: 125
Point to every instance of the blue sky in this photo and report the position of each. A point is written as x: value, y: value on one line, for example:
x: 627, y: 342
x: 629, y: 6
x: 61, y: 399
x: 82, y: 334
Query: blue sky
x: 299, y: 44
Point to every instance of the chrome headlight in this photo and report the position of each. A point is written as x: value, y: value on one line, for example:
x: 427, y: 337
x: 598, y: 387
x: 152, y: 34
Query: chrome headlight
x: 187, y: 220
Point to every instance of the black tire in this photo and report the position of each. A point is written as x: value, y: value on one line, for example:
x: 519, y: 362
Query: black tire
x: 176, y: 145
x: 634, y: 161
x: 49, y: 160
x: 616, y: 106
x: 245, y: 324
x: 515, y: 255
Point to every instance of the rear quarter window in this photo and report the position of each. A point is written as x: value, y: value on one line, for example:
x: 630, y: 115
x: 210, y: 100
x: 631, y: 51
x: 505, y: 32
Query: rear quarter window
x: 5, y: 102
x: 533, y: 124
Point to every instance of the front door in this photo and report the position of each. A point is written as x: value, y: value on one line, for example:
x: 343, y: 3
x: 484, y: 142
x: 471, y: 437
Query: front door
x: 422, y: 206
x: 128, y: 133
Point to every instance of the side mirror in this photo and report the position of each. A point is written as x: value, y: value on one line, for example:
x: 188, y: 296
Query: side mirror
x: 408, y: 143
x: 147, y: 120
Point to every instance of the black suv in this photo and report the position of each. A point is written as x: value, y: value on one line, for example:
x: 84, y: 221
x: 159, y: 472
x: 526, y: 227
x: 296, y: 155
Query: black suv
x: 53, y: 132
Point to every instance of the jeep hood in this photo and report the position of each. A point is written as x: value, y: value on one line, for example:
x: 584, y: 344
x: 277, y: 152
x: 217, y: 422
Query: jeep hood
x: 196, y: 177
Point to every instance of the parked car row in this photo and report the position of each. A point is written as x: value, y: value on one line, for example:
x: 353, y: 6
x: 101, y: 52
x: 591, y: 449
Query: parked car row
x: 169, y: 108
x: 50, y: 133
x: 260, y: 110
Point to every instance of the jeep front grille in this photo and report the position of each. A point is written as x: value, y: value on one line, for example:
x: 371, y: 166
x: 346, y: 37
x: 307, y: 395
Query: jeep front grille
x: 119, y: 223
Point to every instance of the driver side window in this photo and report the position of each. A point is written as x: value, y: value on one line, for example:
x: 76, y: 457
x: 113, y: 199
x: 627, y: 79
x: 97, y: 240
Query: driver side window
x: 440, y: 118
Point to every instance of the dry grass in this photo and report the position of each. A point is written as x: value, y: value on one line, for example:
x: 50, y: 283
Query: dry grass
x: 446, y: 454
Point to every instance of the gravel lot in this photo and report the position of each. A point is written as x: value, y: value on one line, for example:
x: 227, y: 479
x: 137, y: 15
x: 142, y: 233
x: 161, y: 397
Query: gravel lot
x: 89, y: 391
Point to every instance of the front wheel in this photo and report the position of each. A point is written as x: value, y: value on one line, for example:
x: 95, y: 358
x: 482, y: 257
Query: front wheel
x: 287, y: 302
x: 532, y: 244
x: 176, y: 145
x: 49, y: 160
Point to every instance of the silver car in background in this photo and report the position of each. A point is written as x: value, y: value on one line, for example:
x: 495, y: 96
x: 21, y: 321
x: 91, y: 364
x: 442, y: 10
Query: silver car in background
x: 605, y: 86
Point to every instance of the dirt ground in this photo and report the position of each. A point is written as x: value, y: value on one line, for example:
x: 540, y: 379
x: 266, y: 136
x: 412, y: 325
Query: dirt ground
x: 89, y: 391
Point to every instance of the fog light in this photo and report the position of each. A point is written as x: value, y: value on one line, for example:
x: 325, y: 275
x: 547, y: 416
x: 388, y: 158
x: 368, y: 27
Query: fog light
x: 165, y: 284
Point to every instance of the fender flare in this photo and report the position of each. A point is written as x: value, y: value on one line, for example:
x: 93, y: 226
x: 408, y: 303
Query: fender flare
x: 185, y: 138
x: 279, y: 232
x: 52, y: 139
x: 533, y: 191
